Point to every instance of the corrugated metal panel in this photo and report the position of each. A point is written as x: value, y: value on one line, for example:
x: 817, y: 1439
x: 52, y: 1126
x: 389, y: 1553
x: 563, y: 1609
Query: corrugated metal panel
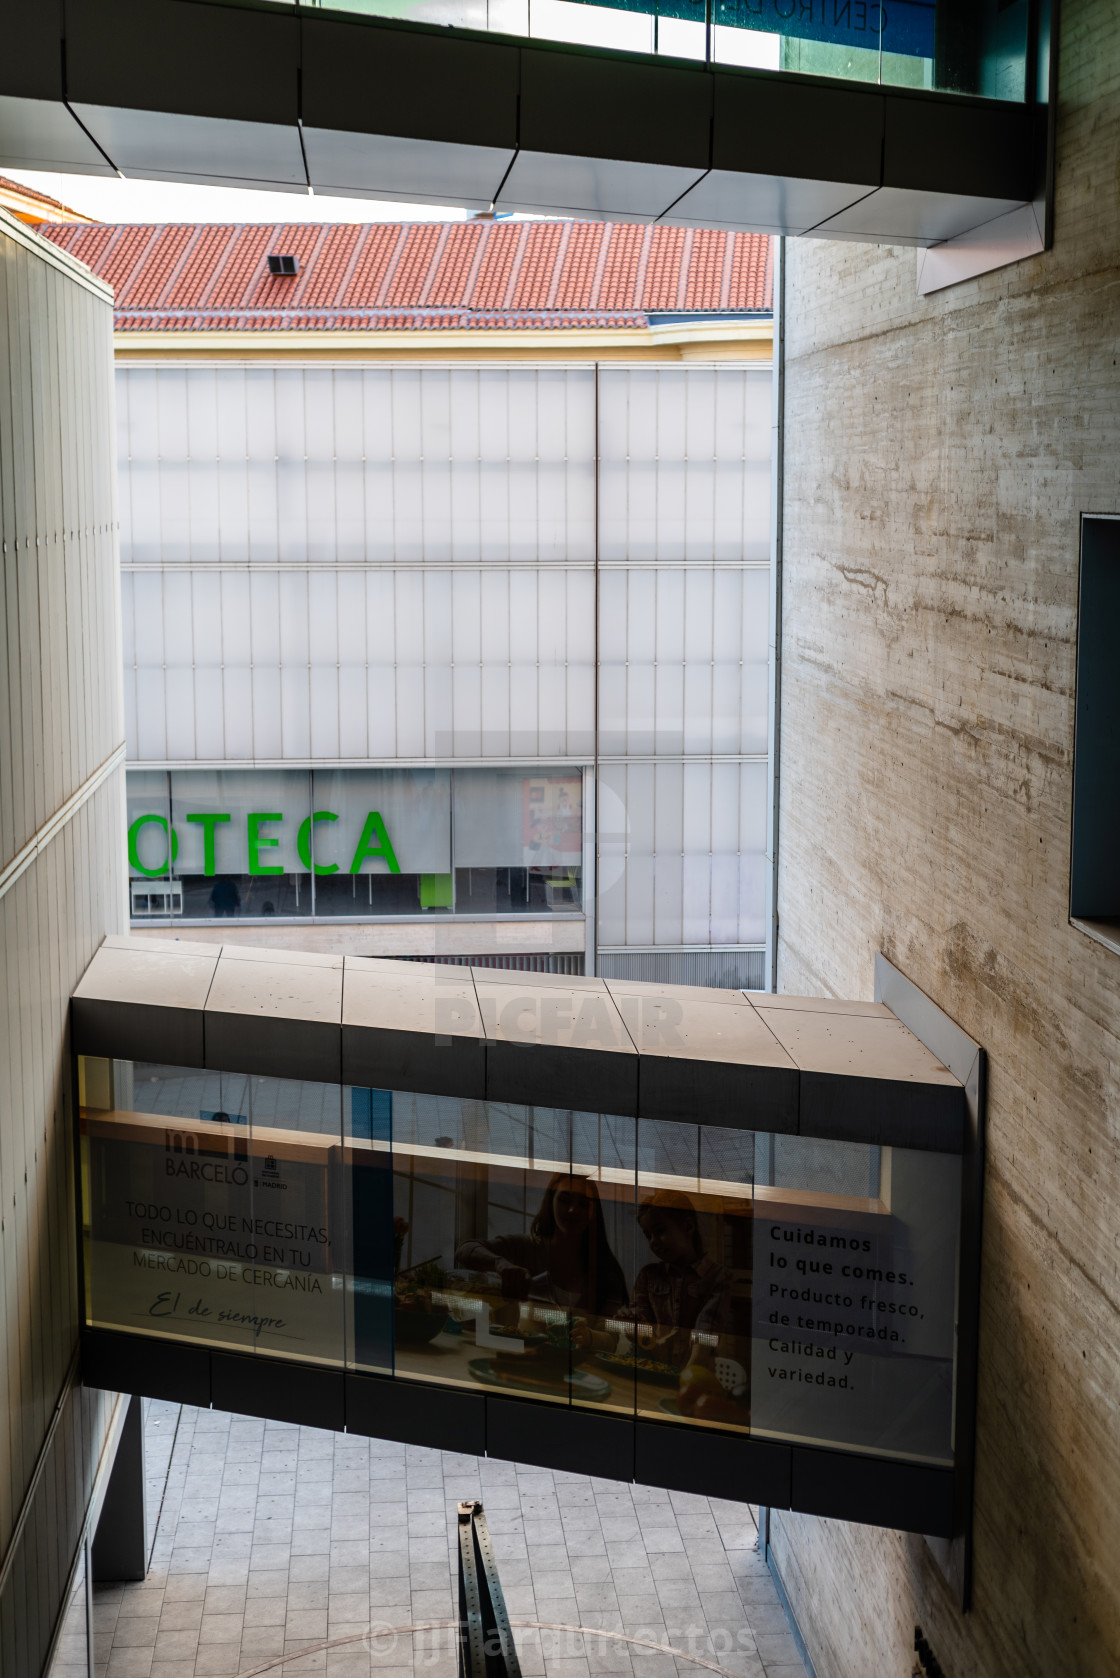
x: 724, y: 969
x: 61, y: 724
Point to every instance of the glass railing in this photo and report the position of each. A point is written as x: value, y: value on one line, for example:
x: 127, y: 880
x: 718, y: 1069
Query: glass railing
x: 781, y: 1287
x: 953, y: 46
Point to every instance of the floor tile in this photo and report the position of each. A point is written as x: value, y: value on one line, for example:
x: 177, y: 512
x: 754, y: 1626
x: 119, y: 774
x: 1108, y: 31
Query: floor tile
x: 270, y: 1538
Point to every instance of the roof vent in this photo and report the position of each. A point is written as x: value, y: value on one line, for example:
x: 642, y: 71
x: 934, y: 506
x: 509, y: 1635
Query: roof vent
x: 283, y: 264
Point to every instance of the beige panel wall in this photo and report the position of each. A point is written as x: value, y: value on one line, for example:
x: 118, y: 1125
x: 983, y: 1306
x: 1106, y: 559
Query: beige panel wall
x: 61, y: 883
x: 938, y: 456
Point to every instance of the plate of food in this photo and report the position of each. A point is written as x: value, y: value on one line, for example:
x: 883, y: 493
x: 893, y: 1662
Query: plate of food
x: 527, y: 1379
x: 647, y: 1368
x: 551, y: 1348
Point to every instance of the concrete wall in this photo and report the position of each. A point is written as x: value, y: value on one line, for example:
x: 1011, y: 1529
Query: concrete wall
x: 61, y: 888
x: 938, y: 455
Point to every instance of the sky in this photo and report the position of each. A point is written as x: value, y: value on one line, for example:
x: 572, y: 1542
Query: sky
x: 108, y: 198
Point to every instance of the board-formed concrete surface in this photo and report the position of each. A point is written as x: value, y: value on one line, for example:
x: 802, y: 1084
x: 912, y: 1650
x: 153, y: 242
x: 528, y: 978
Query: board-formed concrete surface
x: 271, y: 1540
x: 939, y: 454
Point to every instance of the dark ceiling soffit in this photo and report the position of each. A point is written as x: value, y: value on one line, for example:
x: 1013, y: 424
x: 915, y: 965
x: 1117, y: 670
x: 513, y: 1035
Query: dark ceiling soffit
x: 364, y: 81
x: 31, y: 62
x: 184, y: 57
x: 272, y: 1047
x: 452, y: 1065
x: 773, y: 124
x: 126, y: 1031
x: 985, y: 150
x: 242, y: 62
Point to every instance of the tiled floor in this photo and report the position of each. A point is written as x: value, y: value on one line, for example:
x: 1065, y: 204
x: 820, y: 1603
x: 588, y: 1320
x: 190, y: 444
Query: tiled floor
x: 274, y: 1540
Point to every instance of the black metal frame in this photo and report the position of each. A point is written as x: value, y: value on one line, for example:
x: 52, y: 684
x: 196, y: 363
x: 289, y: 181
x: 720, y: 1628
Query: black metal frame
x: 845, y: 1485
x: 1094, y: 880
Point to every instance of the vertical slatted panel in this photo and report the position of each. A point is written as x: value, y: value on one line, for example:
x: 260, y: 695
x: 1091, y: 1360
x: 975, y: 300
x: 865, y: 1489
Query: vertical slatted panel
x: 357, y: 465
x: 414, y: 662
x: 60, y: 627
x: 682, y: 853
x: 464, y: 499
x: 685, y: 463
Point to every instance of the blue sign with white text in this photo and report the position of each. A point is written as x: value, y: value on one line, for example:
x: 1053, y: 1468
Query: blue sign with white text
x: 900, y: 26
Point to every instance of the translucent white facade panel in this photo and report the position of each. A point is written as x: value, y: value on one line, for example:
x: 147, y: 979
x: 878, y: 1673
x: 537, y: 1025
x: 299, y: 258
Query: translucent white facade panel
x: 682, y: 853
x: 364, y: 465
x: 329, y: 665
x: 683, y: 661
x: 395, y: 565
x: 684, y: 463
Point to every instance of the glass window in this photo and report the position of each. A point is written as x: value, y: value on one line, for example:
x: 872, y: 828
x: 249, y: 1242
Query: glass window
x: 691, y: 1304
x: 352, y: 843
x: 518, y: 842
x: 240, y: 838
x: 854, y: 1297
x: 512, y: 1237
x: 1094, y: 864
x: 381, y: 841
x: 789, y: 1287
x: 153, y: 894
x: 959, y: 46
x: 212, y: 1210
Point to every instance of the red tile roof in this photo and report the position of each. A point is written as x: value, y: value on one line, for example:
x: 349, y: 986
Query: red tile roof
x: 381, y: 275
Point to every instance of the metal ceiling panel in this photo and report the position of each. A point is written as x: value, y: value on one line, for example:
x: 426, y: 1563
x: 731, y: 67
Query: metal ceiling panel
x: 41, y: 134
x: 969, y: 147
x: 595, y: 187
x: 904, y: 216
x: 417, y: 171
x: 31, y: 63
x: 203, y: 60
x: 165, y: 146
x: 762, y: 203
x: 797, y: 127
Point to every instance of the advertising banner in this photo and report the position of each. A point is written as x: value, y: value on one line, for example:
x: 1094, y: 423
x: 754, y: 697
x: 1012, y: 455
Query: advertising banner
x: 552, y: 820
x: 214, y: 1231
x: 852, y: 1341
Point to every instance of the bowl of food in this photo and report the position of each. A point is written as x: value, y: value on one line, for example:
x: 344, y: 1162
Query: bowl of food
x: 413, y: 1326
x: 416, y: 1318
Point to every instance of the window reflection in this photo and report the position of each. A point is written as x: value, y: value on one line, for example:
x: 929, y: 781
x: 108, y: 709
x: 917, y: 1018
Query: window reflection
x: 789, y: 1287
x: 211, y: 1207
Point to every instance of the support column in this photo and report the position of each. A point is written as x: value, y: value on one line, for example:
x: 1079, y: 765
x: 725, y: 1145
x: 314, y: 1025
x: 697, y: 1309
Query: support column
x: 120, y: 1544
